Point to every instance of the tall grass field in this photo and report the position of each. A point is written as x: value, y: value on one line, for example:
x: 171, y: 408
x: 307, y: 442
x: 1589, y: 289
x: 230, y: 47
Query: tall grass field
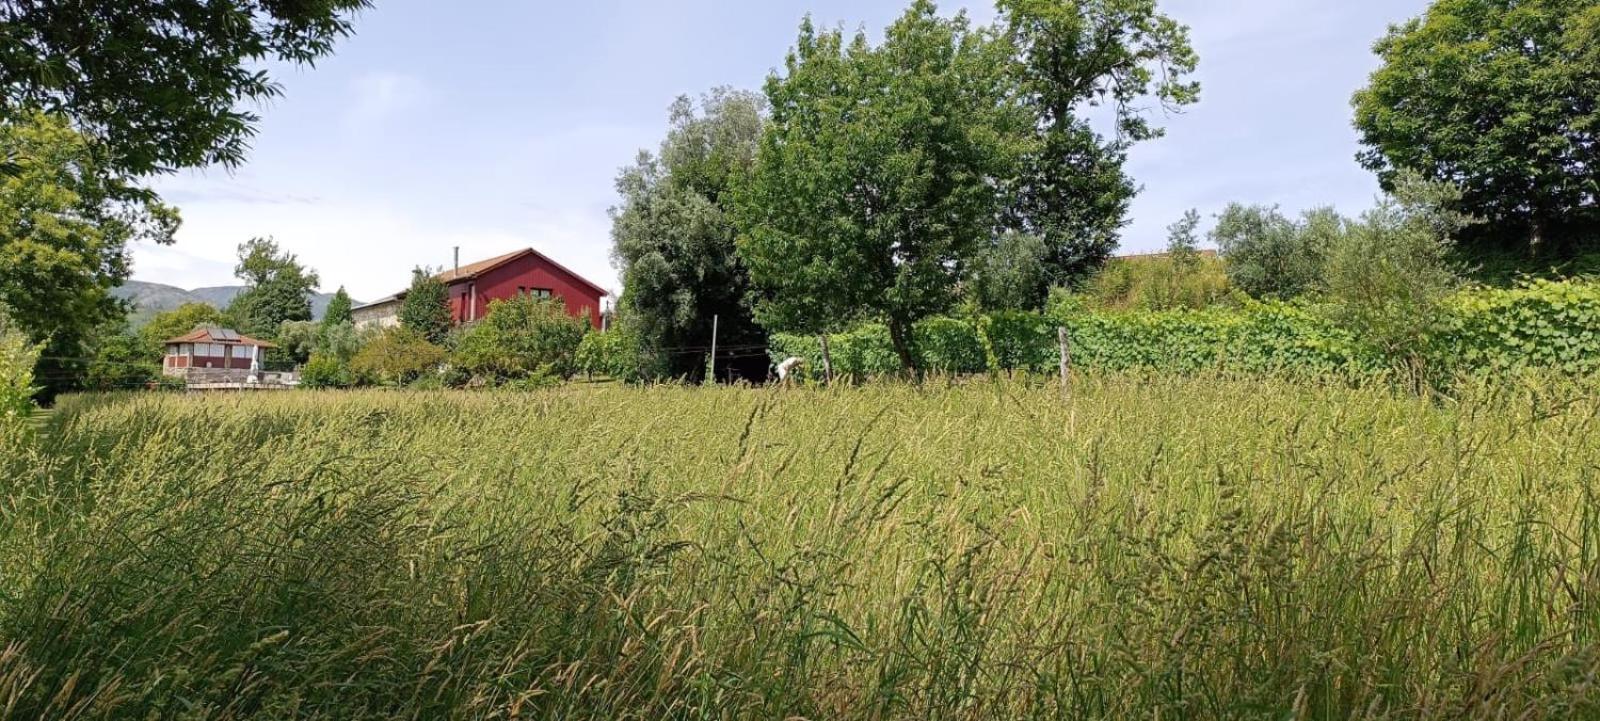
x: 1149, y: 548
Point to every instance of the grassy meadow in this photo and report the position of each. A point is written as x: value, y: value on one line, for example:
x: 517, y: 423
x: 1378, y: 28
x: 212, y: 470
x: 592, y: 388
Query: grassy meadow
x: 1153, y: 548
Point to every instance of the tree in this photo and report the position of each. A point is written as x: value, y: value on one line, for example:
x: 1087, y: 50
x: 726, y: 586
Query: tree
x: 1069, y: 58
x: 121, y: 361
x: 1270, y: 256
x: 874, y: 187
x: 1183, y: 240
x: 399, y: 355
x: 338, y: 310
x: 1498, y: 98
x: 1390, y: 271
x: 673, y: 240
x: 277, y: 288
x: 426, y: 306
x: 523, y: 337
x: 173, y: 323
x: 1010, y: 274
x: 66, y: 220
x: 161, y: 82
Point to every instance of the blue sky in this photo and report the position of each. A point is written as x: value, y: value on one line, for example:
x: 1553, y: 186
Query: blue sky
x: 500, y: 124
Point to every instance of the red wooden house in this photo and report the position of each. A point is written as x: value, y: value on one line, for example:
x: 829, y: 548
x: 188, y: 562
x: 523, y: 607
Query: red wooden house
x: 474, y: 285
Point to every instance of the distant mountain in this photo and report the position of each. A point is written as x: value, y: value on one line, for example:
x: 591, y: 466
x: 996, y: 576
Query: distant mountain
x: 151, y: 298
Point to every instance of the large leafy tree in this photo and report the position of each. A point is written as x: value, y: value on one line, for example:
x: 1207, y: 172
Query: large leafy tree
x: 1501, y: 99
x: 673, y: 239
x: 874, y: 187
x: 338, y: 309
x: 174, y: 323
x: 1073, y: 59
x: 426, y: 306
x: 277, y: 288
x: 66, y: 219
x: 162, y: 82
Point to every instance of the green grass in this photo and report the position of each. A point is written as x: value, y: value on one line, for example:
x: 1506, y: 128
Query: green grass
x: 1154, y: 548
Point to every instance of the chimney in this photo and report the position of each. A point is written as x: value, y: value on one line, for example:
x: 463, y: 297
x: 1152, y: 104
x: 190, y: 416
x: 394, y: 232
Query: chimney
x: 457, y: 270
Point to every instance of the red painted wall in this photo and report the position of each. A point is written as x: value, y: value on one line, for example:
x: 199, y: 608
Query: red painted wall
x: 529, y: 271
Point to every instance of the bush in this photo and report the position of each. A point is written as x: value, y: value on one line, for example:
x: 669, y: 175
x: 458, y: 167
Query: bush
x: 17, y: 360
x: 1540, y: 324
x: 326, y: 371
x: 616, y: 353
x: 521, y: 337
x: 1158, y: 283
x: 397, y: 356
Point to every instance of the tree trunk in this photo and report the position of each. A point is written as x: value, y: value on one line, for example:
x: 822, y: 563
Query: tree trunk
x: 827, y: 359
x: 900, y: 335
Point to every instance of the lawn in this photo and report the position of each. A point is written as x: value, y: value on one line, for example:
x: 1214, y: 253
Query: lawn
x: 1153, y: 548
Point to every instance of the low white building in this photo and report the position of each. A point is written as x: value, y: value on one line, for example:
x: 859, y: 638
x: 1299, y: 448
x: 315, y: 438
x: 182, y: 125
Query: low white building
x: 381, y: 313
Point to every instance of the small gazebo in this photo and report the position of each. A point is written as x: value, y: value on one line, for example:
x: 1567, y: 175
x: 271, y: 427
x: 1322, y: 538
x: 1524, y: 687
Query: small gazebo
x: 210, y: 347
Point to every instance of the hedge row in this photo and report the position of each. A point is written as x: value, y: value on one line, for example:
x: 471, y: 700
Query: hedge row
x: 1543, y: 325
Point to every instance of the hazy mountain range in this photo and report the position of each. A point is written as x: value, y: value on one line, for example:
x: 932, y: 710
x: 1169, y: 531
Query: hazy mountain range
x: 151, y: 298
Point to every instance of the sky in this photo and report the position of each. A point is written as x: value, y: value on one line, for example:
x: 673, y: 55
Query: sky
x: 496, y: 125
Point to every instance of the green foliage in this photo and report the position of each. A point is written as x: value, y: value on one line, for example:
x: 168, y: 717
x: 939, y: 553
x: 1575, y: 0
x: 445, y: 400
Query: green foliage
x: 522, y: 337
x: 398, y: 356
x: 672, y: 239
x: 1389, y: 272
x: 165, y: 84
x: 327, y: 371
x: 1167, y: 282
x: 338, y: 310
x: 426, y: 306
x: 176, y: 322
x: 122, y: 361
x: 1068, y: 59
x: 1010, y: 275
x: 66, y: 220
x: 18, y: 356
x: 277, y: 289
x: 1499, y: 98
x: 617, y: 353
x: 1270, y: 256
x: 1539, y: 325
x: 876, y: 210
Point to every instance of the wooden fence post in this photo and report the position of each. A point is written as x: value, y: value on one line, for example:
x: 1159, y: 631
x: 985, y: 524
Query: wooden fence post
x: 711, y: 365
x: 1066, y: 360
x: 827, y: 360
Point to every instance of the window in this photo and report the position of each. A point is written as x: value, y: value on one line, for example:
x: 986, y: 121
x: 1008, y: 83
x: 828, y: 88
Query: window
x: 541, y: 293
x: 172, y: 350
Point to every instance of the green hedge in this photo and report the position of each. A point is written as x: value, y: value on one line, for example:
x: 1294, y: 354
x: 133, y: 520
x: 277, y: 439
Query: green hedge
x: 1539, y: 325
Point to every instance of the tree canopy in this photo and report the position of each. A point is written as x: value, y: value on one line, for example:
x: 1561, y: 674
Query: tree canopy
x: 1269, y: 255
x: 426, y: 306
x: 65, y: 223
x: 1071, y: 60
x: 161, y: 82
x: 672, y: 239
x: 874, y: 186
x: 338, y: 310
x: 1501, y: 99
x: 277, y: 288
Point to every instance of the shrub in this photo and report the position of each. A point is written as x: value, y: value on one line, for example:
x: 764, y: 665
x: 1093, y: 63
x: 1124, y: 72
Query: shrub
x: 616, y: 353
x: 1268, y: 255
x: 17, y: 360
x: 326, y: 371
x: 520, y: 337
x: 397, y: 356
x: 1539, y: 324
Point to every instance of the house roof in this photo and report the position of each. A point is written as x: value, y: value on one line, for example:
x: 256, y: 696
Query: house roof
x: 223, y: 336
x: 472, y: 271
x: 381, y: 301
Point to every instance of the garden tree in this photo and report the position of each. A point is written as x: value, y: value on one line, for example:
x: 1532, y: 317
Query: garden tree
x: 161, y: 82
x: 299, y: 339
x: 672, y: 239
x: 173, y: 323
x: 426, y: 306
x: 874, y: 187
x: 522, y: 337
x: 121, y: 361
x: 1010, y: 274
x: 1183, y: 240
x: 338, y: 310
x: 277, y: 288
x: 1390, y: 271
x: 1268, y: 255
x: 1499, y: 98
x: 1071, y: 60
x: 66, y: 220
x: 399, y: 355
